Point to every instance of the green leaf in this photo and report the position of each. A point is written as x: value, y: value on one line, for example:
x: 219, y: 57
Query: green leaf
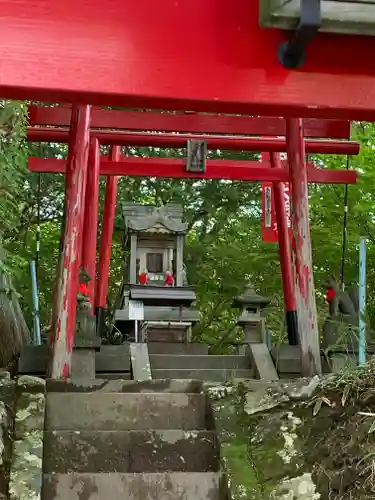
x: 345, y: 394
x: 372, y: 428
x: 317, y: 406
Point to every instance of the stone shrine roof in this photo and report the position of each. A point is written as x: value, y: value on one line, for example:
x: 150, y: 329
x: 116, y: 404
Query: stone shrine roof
x: 142, y: 218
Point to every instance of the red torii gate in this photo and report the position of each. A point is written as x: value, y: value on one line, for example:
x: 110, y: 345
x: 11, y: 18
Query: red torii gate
x: 162, y: 167
x: 46, y: 56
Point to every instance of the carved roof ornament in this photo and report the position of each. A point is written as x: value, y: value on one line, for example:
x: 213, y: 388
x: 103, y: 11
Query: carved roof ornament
x: 141, y: 218
x: 250, y: 298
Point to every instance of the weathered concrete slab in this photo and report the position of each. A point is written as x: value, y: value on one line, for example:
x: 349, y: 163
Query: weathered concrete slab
x: 110, y: 358
x: 192, y: 348
x: 164, y: 486
x: 113, y: 358
x: 130, y: 451
x: 262, y: 361
x: 131, y: 386
x: 83, y: 363
x: 209, y: 375
x: 181, y: 361
x: 114, y: 376
x: 287, y: 359
x: 124, y: 411
x: 140, y: 361
x: 26, y: 468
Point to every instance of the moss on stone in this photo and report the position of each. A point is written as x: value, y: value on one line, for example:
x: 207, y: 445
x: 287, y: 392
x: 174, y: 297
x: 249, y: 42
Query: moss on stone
x: 299, y: 440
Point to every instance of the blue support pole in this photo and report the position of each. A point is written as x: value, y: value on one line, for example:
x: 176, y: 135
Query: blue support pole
x: 34, y: 285
x: 268, y: 338
x: 362, y: 302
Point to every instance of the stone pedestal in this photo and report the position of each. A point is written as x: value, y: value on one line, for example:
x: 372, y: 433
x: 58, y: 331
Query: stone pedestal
x: 86, y: 342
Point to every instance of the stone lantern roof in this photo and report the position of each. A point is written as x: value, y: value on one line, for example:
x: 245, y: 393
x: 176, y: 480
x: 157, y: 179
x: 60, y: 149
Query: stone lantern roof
x: 249, y: 298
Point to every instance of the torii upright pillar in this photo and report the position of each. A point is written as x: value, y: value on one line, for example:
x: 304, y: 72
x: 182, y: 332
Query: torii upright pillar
x: 285, y: 255
x: 109, y: 213
x: 90, y: 226
x: 64, y: 307
x: 301, y: 251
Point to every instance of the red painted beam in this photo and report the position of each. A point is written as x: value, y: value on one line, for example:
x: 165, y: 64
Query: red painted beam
x: 188, y: 122
x: 216, y: 169
x: 218, y: 60
x: 235, y: 143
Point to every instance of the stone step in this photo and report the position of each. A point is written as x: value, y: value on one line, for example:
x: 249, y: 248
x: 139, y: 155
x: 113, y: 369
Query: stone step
x: 130, y: 451
x: 114, y: 375
x: 177, y: 348
x: 147, y: 486
x: 125, y: 411
x: 209, y: 375
x: 120, y: 385
x: 111, y: 360
x: 170, y: 361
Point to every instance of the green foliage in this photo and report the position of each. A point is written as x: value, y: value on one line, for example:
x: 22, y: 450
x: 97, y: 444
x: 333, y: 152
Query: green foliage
x: 13, y: 154
x: 224, y: 248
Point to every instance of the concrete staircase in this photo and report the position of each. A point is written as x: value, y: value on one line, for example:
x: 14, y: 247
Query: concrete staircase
x: 150, y: 440
x: 192, y: 361
x: 167, y: 360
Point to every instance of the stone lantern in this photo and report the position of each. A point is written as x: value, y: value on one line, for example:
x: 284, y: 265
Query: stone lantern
x: 251, y: 305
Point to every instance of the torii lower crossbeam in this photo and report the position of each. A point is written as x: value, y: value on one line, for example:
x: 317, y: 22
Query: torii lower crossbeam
x: 231, y: 143
x: 252, y: 171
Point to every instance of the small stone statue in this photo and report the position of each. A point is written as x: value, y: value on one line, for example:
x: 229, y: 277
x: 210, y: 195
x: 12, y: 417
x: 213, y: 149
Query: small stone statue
x: 339, y: 301
x: 169, y: 279
x: 83, y: 290
x: 343, y: 311
x: 85, y: 322
x: 143, y: 277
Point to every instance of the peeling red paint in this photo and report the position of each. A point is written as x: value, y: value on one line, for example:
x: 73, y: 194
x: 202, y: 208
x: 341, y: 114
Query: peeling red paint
x: 301, y: 250
x: 66, y: 370
x: 67, y: 285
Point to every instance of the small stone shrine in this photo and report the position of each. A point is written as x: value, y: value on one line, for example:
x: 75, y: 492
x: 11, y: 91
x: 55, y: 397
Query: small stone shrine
x: 155, y: 275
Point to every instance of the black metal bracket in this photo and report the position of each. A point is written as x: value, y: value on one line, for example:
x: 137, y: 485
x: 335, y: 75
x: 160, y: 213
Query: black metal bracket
x: 196, y: 155
x: 291, y: 54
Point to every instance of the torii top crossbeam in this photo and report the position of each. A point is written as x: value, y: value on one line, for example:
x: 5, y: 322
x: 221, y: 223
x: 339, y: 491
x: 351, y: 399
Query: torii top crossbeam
x: 186, y: 54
